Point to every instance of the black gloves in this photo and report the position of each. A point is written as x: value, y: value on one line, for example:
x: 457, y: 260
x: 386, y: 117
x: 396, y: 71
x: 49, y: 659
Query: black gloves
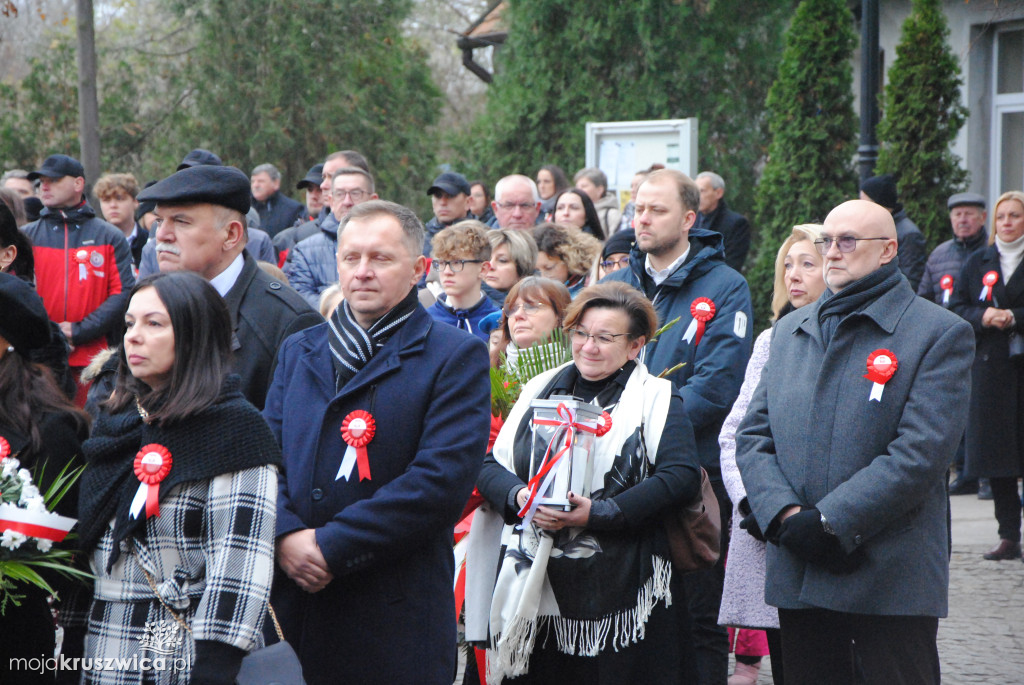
x: 805, y: 537
x: 749, y: 523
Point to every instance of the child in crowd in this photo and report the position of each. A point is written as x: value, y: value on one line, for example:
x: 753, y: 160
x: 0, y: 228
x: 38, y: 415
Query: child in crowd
x: 460, y: 255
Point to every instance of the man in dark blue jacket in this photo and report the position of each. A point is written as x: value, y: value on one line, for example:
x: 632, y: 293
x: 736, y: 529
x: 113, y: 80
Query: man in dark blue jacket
x: 277, y: 211
x: 383, y: 415
x: 683, y: 271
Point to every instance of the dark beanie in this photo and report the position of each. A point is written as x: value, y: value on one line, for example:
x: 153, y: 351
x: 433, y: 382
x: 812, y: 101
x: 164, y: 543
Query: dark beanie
x: 621, y: 242
x: 23, y: 320
x: 882, y: 191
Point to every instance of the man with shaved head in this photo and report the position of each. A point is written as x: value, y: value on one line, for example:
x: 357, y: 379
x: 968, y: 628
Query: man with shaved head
x: 844, y: 451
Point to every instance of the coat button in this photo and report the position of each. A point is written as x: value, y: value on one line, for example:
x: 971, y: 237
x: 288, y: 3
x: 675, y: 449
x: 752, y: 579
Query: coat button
x: 317, y: 494
x: 857, y: 539
x: 275, y: 285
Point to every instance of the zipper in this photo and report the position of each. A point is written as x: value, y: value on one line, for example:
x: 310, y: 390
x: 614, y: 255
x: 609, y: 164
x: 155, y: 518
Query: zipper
x: 67, y: 265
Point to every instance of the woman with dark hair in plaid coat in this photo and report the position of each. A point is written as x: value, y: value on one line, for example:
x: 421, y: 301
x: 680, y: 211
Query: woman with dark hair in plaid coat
x: 178, y: 503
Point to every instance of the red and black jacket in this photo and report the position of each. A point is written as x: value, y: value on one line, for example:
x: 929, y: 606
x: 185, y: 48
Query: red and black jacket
x: 83, y: 273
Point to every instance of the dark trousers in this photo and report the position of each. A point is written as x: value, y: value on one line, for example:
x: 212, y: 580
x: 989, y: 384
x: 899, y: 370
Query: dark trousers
x: 822, y: 646
x: 704, y: 599
x: 1008, y: 507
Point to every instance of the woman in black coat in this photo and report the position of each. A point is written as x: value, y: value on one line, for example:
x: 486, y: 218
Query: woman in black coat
x: 990, y: 295
x: 43, y: 430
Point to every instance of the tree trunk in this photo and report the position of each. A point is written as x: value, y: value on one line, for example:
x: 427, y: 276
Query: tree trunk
x: 88, y: 107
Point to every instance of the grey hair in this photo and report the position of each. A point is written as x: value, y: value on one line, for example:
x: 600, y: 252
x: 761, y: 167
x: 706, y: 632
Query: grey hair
x: 522, y: 248
x: 500, y: 186
x: 268, y: 169
x: 14, y: 173
x: 592, y: 174
x: 354, y: 171
x: 717, y: 182
x: 412, y: 228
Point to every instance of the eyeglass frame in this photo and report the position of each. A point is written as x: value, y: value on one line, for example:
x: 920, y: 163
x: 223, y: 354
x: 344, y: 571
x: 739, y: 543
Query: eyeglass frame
x: 529, y: 308
x: 525, y: 206
x: 574, y: 333
x: 441, y: 264
x: 339, y: 194
x: 824, y: 244
x: 623, y: 262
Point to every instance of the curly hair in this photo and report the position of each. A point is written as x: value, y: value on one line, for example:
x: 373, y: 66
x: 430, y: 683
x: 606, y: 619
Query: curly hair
x: 464, y: 240
x: 574, y: 247
x: 116, y: 184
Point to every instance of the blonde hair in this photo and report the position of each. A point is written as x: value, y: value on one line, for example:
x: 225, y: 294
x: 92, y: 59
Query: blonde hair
x: 330, y: 298
x: 464, y: 240
x: 114, y: 184
x: 780, y: 298
x: 1008, y: 195
x: 571, y: 245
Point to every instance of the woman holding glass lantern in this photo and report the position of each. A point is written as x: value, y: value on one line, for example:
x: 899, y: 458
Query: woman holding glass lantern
x: 582, y: 590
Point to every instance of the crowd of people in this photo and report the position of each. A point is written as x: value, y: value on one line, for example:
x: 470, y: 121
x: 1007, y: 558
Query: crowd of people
x: 285, y: 409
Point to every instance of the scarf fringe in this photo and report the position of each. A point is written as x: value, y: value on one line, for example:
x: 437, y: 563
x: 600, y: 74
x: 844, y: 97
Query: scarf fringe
x: 509, y: 653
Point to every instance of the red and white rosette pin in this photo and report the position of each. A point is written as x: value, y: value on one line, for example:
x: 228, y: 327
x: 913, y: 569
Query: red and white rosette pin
x: 882, y: 365
x: 357, y: 431
x: 946, y: 284
x: 152, y: 464
x: 5, y: 448
x: 702, y: 310
x: 604, y: 423
x: 988, y: 281
x: 81, y: 258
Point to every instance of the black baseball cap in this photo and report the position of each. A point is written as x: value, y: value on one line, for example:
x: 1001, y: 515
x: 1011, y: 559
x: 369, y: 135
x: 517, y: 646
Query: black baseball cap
x: 59, y: 166
x: 451, y: 183
x: 314, y: 177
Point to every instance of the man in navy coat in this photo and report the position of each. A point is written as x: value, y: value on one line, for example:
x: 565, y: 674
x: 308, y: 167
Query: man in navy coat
x: 844, y: 451
x: 383, y: 417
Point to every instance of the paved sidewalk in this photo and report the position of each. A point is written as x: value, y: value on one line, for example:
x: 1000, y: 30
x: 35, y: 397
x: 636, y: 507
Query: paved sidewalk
x: 982, y: 641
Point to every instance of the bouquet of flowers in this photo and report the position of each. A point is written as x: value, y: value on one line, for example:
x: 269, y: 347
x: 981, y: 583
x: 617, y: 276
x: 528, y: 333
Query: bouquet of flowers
x: 28, y: 529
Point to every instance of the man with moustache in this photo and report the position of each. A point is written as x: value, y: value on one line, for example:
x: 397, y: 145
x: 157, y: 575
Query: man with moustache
x: 844, y: 451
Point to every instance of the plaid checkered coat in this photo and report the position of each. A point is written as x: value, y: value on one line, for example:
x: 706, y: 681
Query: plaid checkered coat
x: 210, y: 554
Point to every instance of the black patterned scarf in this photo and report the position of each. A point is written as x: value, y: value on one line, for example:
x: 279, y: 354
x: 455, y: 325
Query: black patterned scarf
x: 853, y: 298
x: 352, y: 346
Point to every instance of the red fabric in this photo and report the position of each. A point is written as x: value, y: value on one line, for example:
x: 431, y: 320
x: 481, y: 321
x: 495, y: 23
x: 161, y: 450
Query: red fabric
x: 747, y: 642
x: 282, y: 258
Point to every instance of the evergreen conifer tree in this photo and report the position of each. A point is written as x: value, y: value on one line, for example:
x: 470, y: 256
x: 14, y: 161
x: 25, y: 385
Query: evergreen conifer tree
x: 922, y: 115
x: 812, y: 125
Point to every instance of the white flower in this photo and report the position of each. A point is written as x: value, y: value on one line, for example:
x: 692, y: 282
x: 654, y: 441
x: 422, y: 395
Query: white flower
x: 29, y: 492
x: 36, y: 503
x: 11, y: 466
x: 44, y: 545
x: 25, y: 475
x: 12, y: 539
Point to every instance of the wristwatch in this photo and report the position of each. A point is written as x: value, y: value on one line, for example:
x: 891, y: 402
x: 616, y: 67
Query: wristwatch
x: 827, y: 526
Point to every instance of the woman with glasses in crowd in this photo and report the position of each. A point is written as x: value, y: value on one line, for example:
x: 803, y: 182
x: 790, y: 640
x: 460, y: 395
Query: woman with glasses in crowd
x: 582, y: 595
x: 990, y: 295
x: 799, y: 280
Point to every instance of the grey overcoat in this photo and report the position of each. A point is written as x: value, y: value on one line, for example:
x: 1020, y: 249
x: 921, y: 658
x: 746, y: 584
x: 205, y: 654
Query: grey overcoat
x: 875, y: 469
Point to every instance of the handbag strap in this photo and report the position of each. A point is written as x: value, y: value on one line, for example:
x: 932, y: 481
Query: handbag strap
x: 152, y: 585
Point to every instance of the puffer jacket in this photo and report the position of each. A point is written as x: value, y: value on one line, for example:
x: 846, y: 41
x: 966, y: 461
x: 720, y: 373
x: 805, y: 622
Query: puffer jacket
x: 83, y: 273
x: 713, y: 368
x: 947, y: 259
x: 312, y: 264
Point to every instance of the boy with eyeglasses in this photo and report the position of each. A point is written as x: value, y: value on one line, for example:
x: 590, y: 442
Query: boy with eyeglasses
x: 460, y: 255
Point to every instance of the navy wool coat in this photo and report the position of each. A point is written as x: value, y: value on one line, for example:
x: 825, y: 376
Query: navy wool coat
x: 388, y: 616
x: 875, y: 469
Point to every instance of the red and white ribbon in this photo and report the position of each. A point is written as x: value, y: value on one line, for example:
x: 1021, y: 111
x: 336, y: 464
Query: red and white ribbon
x: 81, y: 258
x: 988, y: 281
x: 702, y: 310
x: 152, y: 464
x: 541, y: 481
x: 882, y: 365
x: 357, y: 431
x: 35, y: 524
x: 5, y: 448
x: 946, y: 284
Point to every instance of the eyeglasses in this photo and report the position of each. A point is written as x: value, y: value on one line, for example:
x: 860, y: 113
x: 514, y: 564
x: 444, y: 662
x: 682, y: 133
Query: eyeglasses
x: 580, y: 337
x: 456, y: 265
x: 529, y: 308
x: 846, y: 244
x: 619, y: 263
x: 356, y: 194
x: 525, y: 206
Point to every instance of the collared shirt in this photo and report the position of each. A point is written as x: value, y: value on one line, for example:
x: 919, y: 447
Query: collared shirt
x: 225, y: 280
x: 659, y: 276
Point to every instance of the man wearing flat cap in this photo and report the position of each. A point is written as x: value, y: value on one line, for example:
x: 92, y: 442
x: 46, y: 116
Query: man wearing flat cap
x: 83, y: 264
x: 967, y: 215
x: 449, y: 194
x: 201, y: 227
x: 910, y: 241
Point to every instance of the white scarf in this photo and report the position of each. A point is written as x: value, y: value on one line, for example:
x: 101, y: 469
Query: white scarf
x: 1010, y: 254
x: 508, y: 613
